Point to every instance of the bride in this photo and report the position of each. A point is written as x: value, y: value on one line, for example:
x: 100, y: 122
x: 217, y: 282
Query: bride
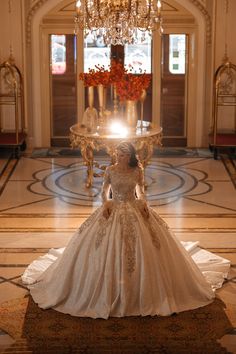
x: 124, y: 260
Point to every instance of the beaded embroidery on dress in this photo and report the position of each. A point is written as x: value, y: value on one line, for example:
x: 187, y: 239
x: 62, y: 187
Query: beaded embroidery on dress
x: 126, y: 265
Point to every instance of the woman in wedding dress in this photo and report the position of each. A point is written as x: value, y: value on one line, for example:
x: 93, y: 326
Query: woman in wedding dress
x: 124, y: 260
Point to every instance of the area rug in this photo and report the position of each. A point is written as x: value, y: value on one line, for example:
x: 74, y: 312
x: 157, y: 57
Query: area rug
x: 48, y: 331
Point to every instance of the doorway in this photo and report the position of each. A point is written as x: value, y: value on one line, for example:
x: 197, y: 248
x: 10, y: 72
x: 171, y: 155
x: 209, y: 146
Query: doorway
x: 174, y: 89
x: 63, y: 87
x: 195, y: 27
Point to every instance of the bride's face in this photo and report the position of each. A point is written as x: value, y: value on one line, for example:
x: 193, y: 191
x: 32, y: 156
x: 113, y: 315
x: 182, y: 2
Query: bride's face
x: 122, y: 158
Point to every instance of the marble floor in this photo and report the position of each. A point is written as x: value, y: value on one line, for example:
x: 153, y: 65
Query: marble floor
x: 43, y: 200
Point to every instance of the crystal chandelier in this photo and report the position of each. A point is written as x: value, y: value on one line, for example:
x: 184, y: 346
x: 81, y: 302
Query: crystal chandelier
x: 117, y: 21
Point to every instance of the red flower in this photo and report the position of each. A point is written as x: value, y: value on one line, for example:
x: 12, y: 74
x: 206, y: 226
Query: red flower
x: 117, y: 71
x: 130, y: 87
x: 100, y: 76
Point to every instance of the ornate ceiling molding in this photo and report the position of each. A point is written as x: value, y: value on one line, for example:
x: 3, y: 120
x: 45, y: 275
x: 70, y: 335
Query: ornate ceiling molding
x: 202, y: 8
x: 37, y: 4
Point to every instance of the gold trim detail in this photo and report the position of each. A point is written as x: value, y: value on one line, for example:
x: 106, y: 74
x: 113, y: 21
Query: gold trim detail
x: 144, y: 143
x: 35, y: 6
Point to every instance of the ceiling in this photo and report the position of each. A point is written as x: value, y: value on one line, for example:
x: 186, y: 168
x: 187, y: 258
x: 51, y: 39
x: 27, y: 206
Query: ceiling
x: 171, y: 11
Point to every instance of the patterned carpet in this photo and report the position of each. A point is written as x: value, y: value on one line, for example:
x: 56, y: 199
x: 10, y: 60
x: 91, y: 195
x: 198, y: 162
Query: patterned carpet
x: 48, y: 331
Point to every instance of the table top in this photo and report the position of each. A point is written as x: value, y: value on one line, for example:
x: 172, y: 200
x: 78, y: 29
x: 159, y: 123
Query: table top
x: 145, y: 131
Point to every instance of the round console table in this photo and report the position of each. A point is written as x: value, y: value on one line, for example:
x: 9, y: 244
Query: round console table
x: 144, y: 139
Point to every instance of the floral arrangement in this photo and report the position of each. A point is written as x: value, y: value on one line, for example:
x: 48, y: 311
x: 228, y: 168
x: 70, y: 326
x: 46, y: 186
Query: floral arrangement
x: 129, y: 86
x: 117, y: 71
x: 100, y: 76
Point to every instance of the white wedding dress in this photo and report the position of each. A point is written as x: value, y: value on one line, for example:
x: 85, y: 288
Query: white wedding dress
x: 125, y: 265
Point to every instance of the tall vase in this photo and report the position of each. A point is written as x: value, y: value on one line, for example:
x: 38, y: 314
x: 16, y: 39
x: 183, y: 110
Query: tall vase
x: 142, y: 99
x: 90, y: 118
x: 131, y: 113
x: 100, y: 90
x: 115, y: 100
x: 104, y: 98
x: 91, y: 96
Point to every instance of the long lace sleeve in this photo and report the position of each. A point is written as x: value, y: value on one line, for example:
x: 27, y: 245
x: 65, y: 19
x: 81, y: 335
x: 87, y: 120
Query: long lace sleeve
x: 140, y: 185
x: 106, y: 186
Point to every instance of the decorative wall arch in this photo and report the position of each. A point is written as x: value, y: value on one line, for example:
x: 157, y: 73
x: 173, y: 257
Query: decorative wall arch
x: 41, y: 7
x: 35, y: 5
x: 199, y: 4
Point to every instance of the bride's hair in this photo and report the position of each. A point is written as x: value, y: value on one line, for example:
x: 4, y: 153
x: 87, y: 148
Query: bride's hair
x: 128, y: 148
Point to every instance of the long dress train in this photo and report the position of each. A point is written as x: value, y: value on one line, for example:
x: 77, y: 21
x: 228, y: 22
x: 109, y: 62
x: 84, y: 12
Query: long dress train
x: 125, y: 265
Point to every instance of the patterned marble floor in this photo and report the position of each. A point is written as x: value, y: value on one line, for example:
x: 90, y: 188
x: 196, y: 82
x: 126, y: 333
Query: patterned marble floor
x: 43, y: 201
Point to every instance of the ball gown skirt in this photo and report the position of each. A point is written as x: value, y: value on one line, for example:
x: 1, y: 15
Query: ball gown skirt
x: 126, y: 265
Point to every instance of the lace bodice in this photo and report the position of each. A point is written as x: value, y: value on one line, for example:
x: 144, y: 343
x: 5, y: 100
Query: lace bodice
x: 125, y: 186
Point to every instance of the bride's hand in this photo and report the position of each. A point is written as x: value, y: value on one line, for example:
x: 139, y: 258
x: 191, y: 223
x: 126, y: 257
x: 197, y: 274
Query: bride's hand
x: 107, y: 208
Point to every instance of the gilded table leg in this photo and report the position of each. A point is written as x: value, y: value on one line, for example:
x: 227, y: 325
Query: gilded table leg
x: 110, y: 149
x: 87, y: 154
x: 145, y: 151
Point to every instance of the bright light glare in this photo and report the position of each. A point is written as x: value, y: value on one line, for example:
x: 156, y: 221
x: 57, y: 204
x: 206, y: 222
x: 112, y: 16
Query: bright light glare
x: 118, y: 129
x: 78, y: 4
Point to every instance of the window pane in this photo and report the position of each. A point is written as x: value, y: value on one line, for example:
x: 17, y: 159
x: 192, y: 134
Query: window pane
x: 96, y: 52
x: 177, y: 49
x: 139, y: 56
x: 173, y: 95
x: 58, y: 54
x: 63, y: 81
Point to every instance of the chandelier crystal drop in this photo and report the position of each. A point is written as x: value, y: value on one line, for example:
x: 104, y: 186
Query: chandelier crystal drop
x: 117, y: 21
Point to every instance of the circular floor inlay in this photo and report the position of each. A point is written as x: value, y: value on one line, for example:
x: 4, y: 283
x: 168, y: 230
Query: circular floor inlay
x: 165, y: 183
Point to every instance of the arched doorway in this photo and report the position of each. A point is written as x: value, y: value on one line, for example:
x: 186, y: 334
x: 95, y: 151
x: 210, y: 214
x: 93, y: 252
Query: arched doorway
x: 196, y: 82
